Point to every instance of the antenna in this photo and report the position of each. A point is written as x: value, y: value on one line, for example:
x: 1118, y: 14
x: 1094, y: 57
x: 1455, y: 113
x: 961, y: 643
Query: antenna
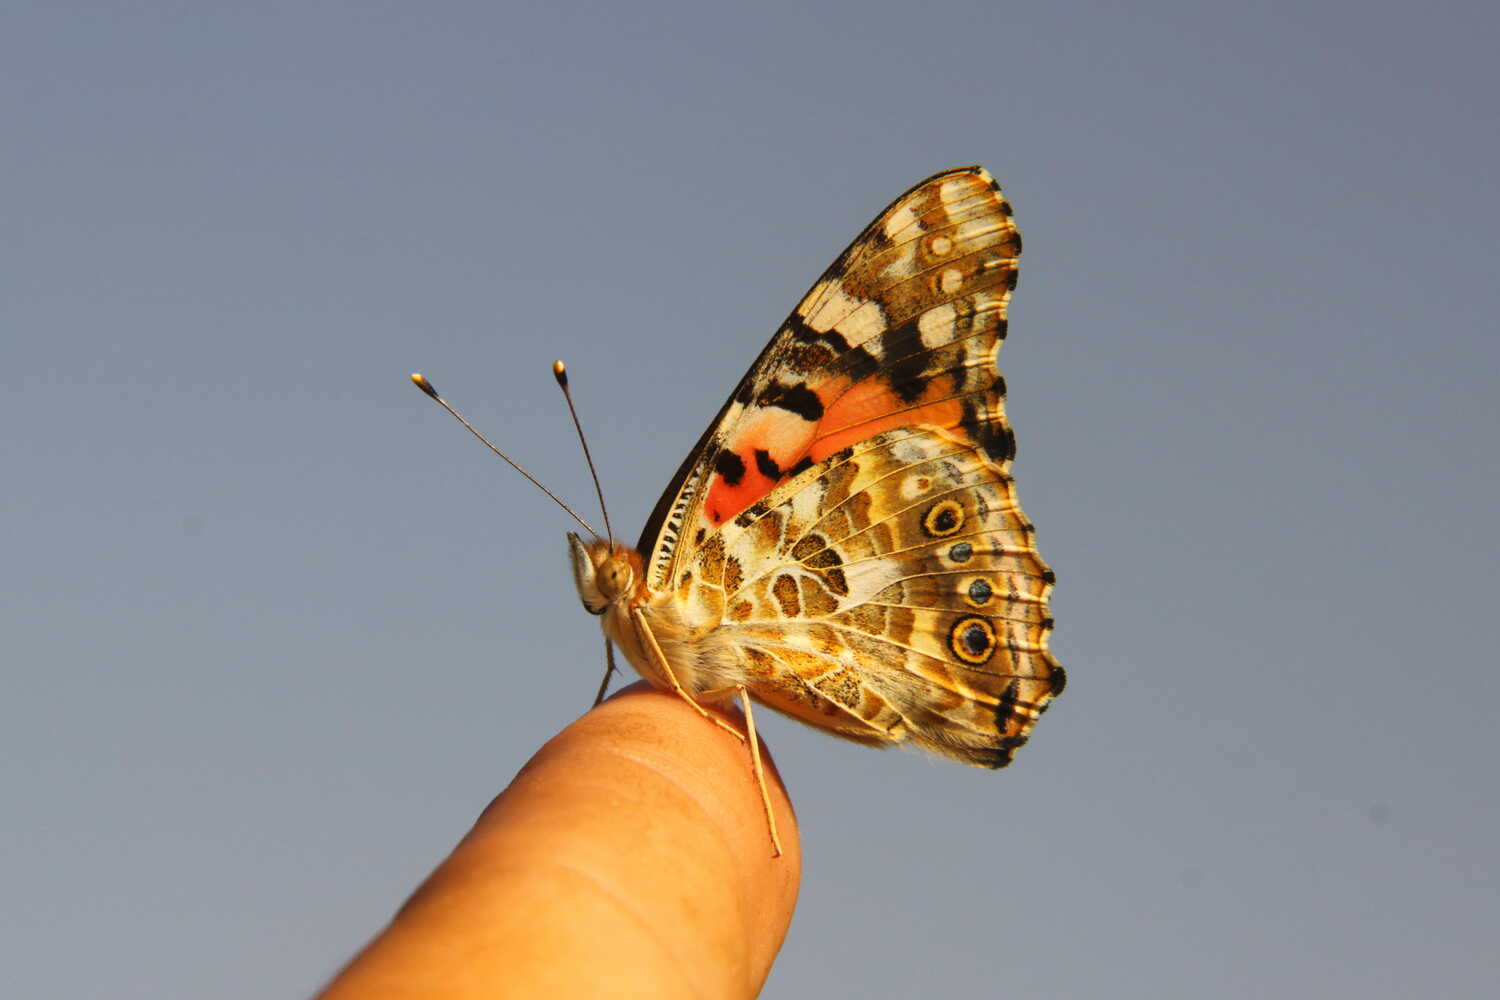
x: 420, y: 381
x: 560, y: 372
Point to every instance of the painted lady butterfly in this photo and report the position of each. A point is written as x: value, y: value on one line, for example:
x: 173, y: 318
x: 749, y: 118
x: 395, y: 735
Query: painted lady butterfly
x: 844, y: 543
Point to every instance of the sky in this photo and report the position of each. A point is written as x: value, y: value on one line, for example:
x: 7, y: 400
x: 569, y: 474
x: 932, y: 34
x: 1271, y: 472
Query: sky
x: 276, y: 629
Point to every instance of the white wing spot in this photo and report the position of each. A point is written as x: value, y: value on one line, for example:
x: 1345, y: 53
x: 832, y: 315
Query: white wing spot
x: 957, y: 189
x: 828, y: 305
x: 935, y: 326
x: 903, y: 218
x: 865, y: 322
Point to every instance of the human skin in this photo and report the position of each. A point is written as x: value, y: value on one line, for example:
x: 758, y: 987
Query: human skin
x: 629, y: 857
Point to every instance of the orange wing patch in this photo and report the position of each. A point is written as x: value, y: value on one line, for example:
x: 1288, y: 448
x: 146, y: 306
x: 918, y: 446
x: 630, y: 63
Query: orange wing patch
x: 774, y: 445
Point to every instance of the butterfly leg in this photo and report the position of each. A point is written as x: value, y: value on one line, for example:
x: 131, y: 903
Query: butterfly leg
x: 649, y: 640
x: 760, y: 772
x: 609, y: 670
x: 756, y: 767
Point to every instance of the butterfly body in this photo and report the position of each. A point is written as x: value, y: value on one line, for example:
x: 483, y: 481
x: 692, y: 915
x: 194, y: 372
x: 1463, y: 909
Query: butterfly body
x: 611, y: 583
x: 844, y: 543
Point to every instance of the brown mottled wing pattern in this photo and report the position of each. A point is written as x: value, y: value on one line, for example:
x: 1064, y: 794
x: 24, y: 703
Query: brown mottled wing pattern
x: 850, y: 513
x: 902, y: 599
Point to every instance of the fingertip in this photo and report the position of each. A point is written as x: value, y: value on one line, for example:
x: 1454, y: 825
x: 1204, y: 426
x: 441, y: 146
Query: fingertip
x: 707, y: 834
x: 633, y: 841
x: 664, y: 732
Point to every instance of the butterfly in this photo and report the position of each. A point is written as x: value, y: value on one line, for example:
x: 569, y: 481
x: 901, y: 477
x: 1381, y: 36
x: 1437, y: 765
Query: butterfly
x: 844, y: 543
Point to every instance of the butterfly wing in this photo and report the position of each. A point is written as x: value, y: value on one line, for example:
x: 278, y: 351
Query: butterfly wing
x: 821, y: 502
x: 893, y: 593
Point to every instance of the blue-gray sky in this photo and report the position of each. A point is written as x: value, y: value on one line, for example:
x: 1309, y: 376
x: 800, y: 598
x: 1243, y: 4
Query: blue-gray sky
x: 276, y: 629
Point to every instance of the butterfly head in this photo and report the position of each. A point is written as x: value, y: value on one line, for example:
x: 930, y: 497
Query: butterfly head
x: 603, y: 573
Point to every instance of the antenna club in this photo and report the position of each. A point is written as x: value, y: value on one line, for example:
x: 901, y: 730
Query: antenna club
x: 560, y: 372
x: 420, y: 381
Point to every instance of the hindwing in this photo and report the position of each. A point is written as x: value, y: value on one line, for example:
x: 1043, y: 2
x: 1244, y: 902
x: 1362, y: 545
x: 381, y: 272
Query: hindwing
x: 893, y: 593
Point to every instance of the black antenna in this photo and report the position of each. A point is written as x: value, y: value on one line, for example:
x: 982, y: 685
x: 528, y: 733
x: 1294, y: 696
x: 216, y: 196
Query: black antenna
x: 560, y: 373
x: 420, y: 381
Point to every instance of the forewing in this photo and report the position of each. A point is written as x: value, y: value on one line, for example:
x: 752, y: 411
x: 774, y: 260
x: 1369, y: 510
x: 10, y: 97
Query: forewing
x: 901, y: 331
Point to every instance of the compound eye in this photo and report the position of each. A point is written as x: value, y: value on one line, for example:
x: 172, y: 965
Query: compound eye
x: 614, y: 578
